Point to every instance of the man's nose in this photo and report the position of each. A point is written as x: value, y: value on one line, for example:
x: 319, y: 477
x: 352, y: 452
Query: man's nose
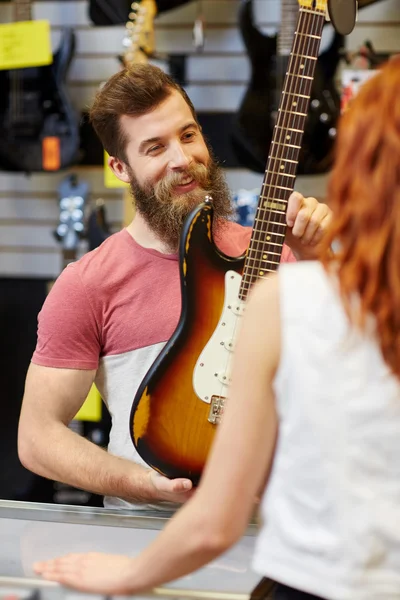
x: 179, y: 157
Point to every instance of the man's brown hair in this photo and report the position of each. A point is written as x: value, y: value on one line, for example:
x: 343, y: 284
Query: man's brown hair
x: 134, y: 91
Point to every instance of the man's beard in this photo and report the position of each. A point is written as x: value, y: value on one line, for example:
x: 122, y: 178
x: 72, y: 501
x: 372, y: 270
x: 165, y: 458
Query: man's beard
x: 165, y: 212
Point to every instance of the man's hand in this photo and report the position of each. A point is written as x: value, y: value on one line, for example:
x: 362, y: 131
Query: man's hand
x: 308, y: 221
x: 172, y: 490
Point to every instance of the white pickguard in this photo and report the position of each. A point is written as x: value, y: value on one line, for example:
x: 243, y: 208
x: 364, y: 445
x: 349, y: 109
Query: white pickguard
x: 211, y: 375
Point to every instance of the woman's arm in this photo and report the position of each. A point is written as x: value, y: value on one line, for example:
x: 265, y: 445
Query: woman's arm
x: 238, y: 466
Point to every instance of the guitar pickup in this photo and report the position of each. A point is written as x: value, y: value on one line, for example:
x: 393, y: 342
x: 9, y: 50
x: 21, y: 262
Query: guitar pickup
x: 216, y: 409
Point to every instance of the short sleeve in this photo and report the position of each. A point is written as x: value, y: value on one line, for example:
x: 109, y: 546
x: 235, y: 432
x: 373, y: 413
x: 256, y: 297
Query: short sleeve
x: 68, y: 333
x: 235, y: 239
x: 287, y: 255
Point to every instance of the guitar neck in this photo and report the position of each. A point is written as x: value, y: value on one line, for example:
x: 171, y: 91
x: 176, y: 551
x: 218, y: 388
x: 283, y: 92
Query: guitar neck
x: 289, y: 13
x: 269, y: 229
x: 22, y: 10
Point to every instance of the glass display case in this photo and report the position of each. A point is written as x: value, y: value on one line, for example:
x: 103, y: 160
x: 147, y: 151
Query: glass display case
x: 34, y: 531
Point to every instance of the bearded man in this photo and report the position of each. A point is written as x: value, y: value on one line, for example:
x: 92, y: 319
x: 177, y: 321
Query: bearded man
x: 110, y: 313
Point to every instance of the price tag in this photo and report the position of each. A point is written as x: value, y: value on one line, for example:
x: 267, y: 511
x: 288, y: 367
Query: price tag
x: 91, y: 408
x: 25, y: 44
x: 110, y: 180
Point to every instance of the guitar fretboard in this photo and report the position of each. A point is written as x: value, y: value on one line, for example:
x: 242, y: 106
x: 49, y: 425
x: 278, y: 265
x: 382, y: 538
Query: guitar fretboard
x: 269, y: 229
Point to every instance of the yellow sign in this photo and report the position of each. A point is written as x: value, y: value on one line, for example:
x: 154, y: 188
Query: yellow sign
x: 91, y: 408
x: 110, y: 180
x: 25, y: 44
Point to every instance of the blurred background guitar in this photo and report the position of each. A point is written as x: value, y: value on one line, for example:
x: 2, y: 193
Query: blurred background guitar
x: 39, y: 129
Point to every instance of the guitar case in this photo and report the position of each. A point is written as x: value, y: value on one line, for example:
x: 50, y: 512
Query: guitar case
x: 115, y: 12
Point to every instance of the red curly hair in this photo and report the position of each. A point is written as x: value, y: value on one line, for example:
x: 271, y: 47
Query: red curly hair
x: 364, y: 194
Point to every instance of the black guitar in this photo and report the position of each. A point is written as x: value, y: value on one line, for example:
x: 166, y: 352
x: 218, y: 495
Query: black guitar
x: 255, y: 119
x: 38, y: 126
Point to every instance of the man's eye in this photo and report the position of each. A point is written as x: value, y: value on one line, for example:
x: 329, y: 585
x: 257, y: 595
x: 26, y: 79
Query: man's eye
x: 189, y: 135
x: 153, y: 149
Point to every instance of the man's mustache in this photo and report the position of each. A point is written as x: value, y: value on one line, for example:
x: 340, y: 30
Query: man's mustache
x: 198, y: 173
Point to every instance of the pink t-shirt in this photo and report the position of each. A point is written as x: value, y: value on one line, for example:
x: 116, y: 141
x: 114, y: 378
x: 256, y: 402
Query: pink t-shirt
x: 113, y: 311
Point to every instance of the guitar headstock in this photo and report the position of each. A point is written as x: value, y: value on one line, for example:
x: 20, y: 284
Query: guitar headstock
x: 139, y: 33
x: 72, y: 197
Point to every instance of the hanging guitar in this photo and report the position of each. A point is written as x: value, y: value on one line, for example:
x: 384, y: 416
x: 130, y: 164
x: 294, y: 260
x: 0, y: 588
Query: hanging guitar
x: 255, y: 119
x: 180, y: 401
x: 38, y: 126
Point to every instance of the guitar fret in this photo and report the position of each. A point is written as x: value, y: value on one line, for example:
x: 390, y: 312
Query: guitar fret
x: 299, y: 76
x: 311, y: 11
x: 269, y: 222
x: 315, y: 37
x: 295, y: 95
x: 252, y: 277
x: 285, y: 145
x: 281, y: 187
x: 268, y: 233
x: 288, y: 160
x: 266, y: 260
x: 289, y: 129
x: 281, y: 173
x: 292, y: 112
x: 277, y: 212
x: 255, y: 251
x: 304, y: 56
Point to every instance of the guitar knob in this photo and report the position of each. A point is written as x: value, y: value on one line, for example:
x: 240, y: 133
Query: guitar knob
x: 324, y: 117
x: 315, y: 103
x: 332, y: 132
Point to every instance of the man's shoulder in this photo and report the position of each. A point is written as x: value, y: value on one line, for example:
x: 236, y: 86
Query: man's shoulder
x: 109, y: 250
x: 110, y: 261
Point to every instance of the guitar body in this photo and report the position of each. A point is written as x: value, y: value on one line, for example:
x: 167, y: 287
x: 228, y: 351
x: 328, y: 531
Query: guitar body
x: 34, y: 106
x: 169, y: 422
x: 255, y: 119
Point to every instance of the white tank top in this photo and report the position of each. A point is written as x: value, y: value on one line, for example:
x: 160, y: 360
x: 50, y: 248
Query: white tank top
x: 331, y: 511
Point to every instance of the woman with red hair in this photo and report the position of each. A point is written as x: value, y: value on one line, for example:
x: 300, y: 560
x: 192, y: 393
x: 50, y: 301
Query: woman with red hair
x: 313, y: 417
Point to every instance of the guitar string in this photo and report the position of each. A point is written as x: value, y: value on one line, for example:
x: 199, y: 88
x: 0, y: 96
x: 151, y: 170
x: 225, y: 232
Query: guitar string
x: 277, y: 138
x: 280, y: 152
x: 309, y: 22
x: 287, y: 117
x: 273, y: 177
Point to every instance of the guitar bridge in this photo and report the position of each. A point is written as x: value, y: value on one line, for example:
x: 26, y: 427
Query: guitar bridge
x: 216, y: 409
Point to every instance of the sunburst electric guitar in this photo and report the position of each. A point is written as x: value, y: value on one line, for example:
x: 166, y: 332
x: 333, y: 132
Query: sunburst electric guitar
x: 180, y: 401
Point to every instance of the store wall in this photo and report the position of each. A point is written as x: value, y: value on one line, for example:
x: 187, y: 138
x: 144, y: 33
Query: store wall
x: 29, y: 255
x: 216, y: 81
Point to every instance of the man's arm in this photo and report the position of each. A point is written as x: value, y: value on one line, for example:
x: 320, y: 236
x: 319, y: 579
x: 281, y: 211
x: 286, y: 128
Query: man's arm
x: 49, y: 448
x: 237, y: 469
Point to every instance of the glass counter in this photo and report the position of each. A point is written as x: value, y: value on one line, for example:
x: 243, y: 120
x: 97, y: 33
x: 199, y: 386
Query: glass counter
x: 34, y: 531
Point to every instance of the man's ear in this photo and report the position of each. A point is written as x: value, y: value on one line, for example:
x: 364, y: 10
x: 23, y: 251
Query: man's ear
x: 119, y: 168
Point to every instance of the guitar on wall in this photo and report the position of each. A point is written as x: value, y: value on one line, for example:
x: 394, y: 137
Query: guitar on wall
x: 139, y: 45
x: 181, y: 399
x: 38, y: 126
x: 73, y: 194
x: 255, y: 119
x: 138, y: 40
